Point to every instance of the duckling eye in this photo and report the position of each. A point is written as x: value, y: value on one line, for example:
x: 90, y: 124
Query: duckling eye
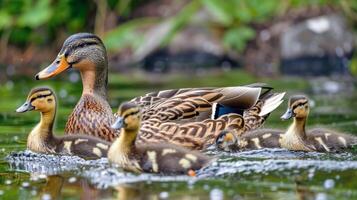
x: 49, y: 100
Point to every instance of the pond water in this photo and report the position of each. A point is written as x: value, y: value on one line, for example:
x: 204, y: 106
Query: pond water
x: 260, y: 174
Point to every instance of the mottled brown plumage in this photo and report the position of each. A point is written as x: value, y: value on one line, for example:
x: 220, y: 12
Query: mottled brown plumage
x: 92, y: 114
x: 294, y: 138
x: 161, y: 157
x: 41, y: 138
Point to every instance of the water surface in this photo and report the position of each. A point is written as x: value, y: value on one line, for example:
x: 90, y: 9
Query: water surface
x: 260, y: 174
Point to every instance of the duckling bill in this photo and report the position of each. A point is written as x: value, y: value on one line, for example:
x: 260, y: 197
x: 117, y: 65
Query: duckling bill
x: 163, y: 158
x: 42, y: 140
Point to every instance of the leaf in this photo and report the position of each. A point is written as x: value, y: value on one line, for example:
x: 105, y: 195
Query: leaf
x: 125, y: 35
x: 221, y: 10
x: 237, y: 38
x: 5, y: 20
x: 35, y: 15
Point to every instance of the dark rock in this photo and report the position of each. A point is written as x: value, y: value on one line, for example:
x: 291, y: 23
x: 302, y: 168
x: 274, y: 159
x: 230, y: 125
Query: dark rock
x: 317, y: 46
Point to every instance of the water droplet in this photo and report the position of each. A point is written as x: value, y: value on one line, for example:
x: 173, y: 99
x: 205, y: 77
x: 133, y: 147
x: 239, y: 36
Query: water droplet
x: 25, y: 184
x: 164, y: 195
x: 72, y: 179
x: 321, y: 196
x: 329, y: 183
x: 9, y: 85
x: 190, y: 184
x: 206, y: 187
x: 63, y: 93
x: 33, y: 192
x: 73, y: 77
x: 46, y: 197
x: 216, y: 194
x: 15, y: 138
x: 42, y: 176
x: 8, y: 182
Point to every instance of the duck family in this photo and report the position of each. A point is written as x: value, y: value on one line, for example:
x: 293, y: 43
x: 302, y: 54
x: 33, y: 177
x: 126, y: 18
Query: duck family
x: 164, y: 131
x: 92, y: 115
x: 295, y: 138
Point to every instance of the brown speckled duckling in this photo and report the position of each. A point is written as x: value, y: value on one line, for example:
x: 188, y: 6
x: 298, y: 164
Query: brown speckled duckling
x: 163, y: 158
x: 41, y: 138
x: 228, y: 140
x: 294, y: 138
x: 318, y: 139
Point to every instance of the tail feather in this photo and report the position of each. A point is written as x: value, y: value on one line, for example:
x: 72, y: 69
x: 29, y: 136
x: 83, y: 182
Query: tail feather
x: 271, y: 103
x: 256, y: 116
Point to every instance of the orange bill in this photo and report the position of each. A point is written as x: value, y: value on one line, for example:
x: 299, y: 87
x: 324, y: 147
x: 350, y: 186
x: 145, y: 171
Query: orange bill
x: 58, y: 66
x: 229, y: 137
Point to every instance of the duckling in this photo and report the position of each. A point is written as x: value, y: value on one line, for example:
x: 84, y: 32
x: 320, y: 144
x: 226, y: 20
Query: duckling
x: 294, y: 138
x: 42, y: 140
x: 163, y: 158
x: 93, y: 115
x: 318, y: 139
x: 228, y: 140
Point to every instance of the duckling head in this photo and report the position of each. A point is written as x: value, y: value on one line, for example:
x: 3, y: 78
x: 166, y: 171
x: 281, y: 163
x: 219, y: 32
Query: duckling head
x: 129, y: 117
x: 40, y: 99
x: 225, y: 140
x: 82, y: 51
x: 298, y: 108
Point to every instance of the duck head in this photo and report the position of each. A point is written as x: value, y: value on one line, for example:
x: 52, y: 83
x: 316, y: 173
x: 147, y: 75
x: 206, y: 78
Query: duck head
x: 39, y: 99
x: 129, y: 117
x: 225, y: 140
x: 298, y: 108
x: 82, y: 51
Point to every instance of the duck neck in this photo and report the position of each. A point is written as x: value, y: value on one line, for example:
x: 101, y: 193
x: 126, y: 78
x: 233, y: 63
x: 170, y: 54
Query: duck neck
x: 95, y: 81
x: 125, y: 143
x: 44, y: 130
x: 298, y: 128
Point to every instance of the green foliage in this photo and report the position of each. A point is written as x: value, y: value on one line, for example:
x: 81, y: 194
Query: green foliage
x: 28, y: 21
x: 353, y: 65
x: 23, y: 18
x: 237, y: 38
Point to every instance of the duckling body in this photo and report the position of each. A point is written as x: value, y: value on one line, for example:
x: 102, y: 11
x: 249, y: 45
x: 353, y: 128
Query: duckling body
x: 295, y: 138
x: 318, y: 139
x: 92, y: 114
x: 42, y: 140
x: 257, y: 139
x: 163, y: 158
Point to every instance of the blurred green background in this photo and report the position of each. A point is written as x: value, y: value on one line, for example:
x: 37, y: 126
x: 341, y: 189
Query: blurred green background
x: 32, y: 31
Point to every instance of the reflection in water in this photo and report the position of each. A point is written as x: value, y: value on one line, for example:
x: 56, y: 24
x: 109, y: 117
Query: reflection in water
x: 125, y: 191
x: 53, y: 187
x: 258, y: 171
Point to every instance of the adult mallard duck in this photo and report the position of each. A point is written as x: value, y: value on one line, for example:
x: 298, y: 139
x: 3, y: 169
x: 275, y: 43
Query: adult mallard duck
x: 162, y: 124
x: 294, y: 138
x: 42, y: 140
x: 154, y: 157
x: 93, y: 115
